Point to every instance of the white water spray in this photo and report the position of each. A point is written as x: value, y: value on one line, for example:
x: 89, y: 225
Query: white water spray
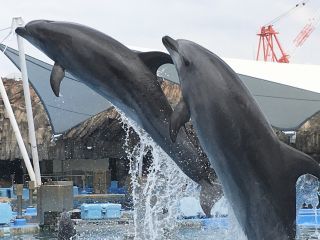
x: 156, y: 195
x: 307, y: 192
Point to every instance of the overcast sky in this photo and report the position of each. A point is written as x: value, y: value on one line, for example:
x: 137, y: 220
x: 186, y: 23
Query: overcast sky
x: 226, y: 27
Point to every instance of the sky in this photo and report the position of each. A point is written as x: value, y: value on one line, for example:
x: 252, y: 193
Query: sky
x: 228, y: 27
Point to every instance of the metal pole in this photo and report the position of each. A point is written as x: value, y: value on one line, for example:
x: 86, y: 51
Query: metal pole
x: 19, y: 192
x: 17, y: 132
x: 31, y: 189
x: 27, y: 98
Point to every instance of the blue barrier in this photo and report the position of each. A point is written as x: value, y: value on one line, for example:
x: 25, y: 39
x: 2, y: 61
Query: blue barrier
x: 20, y: 222
x: 5, y: 213
x: 308, y: 217
x: 5, y: 192
x: 9, y: 193
x: 100, y: 211
x: 213, y: 223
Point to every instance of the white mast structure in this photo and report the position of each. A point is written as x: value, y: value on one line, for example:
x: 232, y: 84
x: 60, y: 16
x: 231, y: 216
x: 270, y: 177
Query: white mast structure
x: 18, y: 22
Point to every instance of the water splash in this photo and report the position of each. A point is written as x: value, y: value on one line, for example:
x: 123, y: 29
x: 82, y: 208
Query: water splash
x: 307, y: 193
x: 156, y: 195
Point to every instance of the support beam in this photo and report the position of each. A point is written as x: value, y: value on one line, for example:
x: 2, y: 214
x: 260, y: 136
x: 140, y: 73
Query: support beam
x: 32, y: 136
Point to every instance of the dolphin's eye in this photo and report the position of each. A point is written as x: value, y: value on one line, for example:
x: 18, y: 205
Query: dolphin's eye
x: 186, y: 62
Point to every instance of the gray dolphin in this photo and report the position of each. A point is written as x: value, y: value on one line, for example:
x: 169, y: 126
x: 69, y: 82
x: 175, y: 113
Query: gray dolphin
x: 66, y: 228
x: 128, y: 80
x: 257, y: 171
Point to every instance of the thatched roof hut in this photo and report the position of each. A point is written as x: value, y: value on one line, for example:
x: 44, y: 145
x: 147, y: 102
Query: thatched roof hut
x: 308, y: 137
x: 101, y: 136
x: 9, y: 149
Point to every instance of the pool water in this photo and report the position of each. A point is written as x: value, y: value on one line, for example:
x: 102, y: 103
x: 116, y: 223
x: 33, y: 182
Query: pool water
x: 190, y: 231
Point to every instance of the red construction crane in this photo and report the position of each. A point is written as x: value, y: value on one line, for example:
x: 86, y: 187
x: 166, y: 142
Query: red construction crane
x: 269, y: 47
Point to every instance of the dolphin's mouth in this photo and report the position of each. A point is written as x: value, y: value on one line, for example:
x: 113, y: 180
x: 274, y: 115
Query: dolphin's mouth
x: 22, y: 31
x: 170, y: 43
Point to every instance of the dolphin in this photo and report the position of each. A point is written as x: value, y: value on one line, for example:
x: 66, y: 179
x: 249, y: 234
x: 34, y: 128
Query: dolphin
x: 66, y: 229
x: 258, y: 172
x: 128, y: 80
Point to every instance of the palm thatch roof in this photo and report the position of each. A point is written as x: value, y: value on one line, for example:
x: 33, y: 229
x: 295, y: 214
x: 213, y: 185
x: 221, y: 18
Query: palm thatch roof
x: 308, y: 137
x: 9, y: 148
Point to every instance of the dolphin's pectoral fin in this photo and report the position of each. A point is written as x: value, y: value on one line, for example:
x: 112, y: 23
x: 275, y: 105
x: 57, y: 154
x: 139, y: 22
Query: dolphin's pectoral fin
x: 56, y: 77
x: 153, y: 60
x: 179, y: 117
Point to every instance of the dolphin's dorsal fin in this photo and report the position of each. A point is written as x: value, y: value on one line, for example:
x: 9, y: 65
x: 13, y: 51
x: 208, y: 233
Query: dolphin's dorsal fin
x: 179, y: 117
x: 153, y: 60
x: 57, y: 74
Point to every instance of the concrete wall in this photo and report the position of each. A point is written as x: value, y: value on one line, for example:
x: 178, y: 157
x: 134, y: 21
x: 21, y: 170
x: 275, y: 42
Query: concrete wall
x: 81, y: 165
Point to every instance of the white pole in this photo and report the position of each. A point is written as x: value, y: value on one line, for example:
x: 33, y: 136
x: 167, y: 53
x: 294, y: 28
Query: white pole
x: 27, y: 98
x: 17, y: 132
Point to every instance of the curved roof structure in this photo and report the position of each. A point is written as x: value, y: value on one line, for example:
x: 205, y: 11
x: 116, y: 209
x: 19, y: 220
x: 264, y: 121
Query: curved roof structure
x: 76, y: 103
x: 284, y: 106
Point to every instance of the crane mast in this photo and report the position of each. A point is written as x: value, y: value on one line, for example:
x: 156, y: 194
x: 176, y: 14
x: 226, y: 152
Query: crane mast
x: 269, y: 47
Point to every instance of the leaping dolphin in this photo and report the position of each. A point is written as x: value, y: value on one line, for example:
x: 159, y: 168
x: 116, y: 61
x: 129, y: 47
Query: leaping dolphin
x: 128, y: 80
x: 257, y: 171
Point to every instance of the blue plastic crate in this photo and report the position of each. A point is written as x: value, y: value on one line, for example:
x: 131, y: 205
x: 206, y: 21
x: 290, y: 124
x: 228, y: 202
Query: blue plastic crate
x: 91, y: 211
x: 113, y: 210
x: 5, y: 213
x: 31, y: 211
x: 97, y: 211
